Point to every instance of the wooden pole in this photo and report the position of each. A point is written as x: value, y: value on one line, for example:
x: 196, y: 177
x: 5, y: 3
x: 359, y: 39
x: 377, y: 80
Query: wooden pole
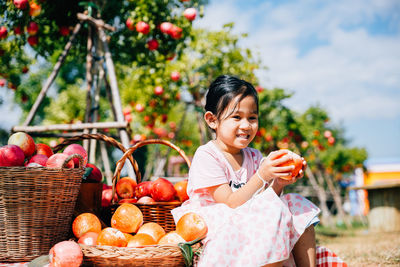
x: 70, y: 127
x: 52, y: 76
x: 89, y: 81
x: 115, y: 95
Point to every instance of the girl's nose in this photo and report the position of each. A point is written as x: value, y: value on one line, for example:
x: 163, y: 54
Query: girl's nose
x: 245, y: 124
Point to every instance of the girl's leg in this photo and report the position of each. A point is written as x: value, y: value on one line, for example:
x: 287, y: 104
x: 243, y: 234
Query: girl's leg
x: 304, y: 251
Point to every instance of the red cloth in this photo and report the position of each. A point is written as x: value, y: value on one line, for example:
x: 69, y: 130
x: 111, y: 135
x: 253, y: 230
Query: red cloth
x: 326, y: 258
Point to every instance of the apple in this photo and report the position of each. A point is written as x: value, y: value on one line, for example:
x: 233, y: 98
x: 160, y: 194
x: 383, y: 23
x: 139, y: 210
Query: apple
x: 93, y: 174
x: 158, y: 90
x: 3, y: 32
x: 130, y: 24
x: 331, y: 140
x: 35, y: 9
x: 127, y: 200
x: 164, y: 118
x: 57, y: 161
x: 33, y: 40
x: 143, y: 189
x: 162, y: 190
x: 2, y: 82
x: 32, y: 28
x: 17, y: 30
x: 327, y: 134
x: 139, y: 107
x: 127, y: 110
x: 152, y: 44
x: 11, y: 155
x: 25, y: 69
x: 145, y: 200
x: 166, y: 27
x: 142, y: 27
x: 125, y: 187
x: 190, y: 13
x: 175, y: 76
x: 77, y: 149
x: 66, y: 253
x: 39, y: 159
x: 106, y: 197
x: 63, y: 30
x: 21, y: 4
x: 176, y: 32
x: 259, y: 89
x: 24, y: 141
x: 128, y: 117
x: 44, y: 149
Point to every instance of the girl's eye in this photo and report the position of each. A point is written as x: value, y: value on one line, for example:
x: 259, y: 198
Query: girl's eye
x: 236, y: 117
x: 253, y: 118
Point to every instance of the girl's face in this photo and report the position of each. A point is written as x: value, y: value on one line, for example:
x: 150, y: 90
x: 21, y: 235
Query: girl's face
x: 238, y: 125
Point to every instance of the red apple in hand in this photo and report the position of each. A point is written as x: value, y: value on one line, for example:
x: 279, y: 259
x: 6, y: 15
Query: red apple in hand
x: 77, y: 149
x: 125, y: 187
x: 162, y: 190
x: 57, y: 160
x: 39, y: 159
x: 24, y: 141
x: 11, y: 155
x: 143, y: 189
x: 44, y: 149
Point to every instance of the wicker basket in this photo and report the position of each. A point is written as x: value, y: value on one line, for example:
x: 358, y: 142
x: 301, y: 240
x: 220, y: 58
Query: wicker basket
x: 159, y: 212
x: 36, y: 208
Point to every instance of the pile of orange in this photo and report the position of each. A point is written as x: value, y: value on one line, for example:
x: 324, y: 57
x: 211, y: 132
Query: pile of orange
x: 127, y: 229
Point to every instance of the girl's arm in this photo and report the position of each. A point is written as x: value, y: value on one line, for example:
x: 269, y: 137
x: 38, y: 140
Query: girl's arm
x: 267, y: 171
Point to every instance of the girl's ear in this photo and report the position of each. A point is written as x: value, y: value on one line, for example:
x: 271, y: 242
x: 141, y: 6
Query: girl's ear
x: 211, y: 120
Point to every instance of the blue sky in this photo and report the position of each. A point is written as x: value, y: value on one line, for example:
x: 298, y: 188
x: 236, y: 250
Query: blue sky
x: 342, y: 55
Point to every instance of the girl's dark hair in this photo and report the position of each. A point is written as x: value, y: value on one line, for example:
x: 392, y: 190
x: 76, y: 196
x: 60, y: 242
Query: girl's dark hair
x: 223, y: 90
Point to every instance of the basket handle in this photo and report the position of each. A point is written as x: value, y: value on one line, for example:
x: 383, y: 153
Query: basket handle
x: 70, y: 157
x: 100, y: 137
x: 129, y: 152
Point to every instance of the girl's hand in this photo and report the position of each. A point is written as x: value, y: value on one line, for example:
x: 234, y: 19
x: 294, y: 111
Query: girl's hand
x: 269, y: 167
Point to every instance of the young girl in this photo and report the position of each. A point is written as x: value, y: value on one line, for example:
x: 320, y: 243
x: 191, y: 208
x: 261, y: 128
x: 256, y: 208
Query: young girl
x: 239, y: 193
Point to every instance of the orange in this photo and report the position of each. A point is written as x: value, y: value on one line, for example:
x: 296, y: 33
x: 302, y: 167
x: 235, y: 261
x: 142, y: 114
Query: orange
x: 141, y: 240
x: 191, y: 226
x: 111, y: 237
x: 172, y: 238
x: 127, y: 218
x: 152, y: 229
x: 86, y: 222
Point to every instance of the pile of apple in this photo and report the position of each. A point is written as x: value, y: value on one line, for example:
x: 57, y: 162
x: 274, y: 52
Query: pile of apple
x: 147, y: 192
x: 23, y: 151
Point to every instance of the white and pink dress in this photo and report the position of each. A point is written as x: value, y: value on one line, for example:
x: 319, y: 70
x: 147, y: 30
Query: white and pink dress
x: 262, y: 230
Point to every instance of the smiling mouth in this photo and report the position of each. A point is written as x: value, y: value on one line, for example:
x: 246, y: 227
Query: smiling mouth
x: 244, y: 136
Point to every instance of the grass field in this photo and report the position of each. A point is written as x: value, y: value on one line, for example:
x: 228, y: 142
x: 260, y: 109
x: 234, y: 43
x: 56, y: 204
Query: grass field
x: 360, y: 247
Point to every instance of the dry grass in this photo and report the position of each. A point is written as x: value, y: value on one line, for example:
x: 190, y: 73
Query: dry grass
x: 363, y: 248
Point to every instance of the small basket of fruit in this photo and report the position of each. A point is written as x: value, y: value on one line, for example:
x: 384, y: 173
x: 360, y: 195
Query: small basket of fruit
x: 156, y: 198
x: 38, y: 192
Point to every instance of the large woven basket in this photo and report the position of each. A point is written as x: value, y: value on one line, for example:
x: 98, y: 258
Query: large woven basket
x: 36, y: 208
x: 159, y: 212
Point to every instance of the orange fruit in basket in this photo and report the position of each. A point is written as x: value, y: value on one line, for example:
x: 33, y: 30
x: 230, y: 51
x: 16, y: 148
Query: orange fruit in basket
x: 85, y: 222
x: 180, y: 188
x: 296, y: 161
x: 111, y: 237
x: 171, y: 238
x: 127, y: 236
x: 89, y: 238
x: 152, y: 229
x: 141, y: 240
x: 127, y: 218
x: 191, y: 226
